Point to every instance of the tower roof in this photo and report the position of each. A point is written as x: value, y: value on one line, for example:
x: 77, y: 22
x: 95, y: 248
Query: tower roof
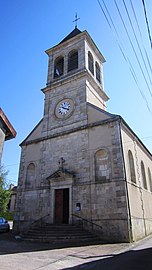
x: 74, y: 33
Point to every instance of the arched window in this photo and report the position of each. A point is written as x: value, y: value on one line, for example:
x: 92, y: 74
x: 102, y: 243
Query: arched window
x: 90, y: 62
x: 59, y: 67
x: 143, y: 175
x: 98, y: 73
x: 131, y: 167
x: 30, y: 175
x: 150, y: 179
x: 102, y: 170
x: 72, y: 60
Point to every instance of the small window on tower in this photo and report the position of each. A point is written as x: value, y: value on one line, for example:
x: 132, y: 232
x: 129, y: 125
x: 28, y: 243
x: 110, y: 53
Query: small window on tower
x: 90, y: 63
x: 72, y: 60
x: 58, y: 67
x: 98, y: 73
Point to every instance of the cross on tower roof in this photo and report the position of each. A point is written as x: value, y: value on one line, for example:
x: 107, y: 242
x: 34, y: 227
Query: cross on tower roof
x: 76, y: 19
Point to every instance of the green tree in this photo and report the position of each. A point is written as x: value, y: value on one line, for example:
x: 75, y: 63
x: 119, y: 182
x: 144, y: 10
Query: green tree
x: 4, y: 190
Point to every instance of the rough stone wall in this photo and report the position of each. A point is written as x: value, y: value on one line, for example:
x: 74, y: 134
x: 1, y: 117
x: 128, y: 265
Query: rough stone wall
x: 108, y: 197
x: 35, y: 202
x: 76, y: 92
x: 28, y: 198
x: 102, y: 202
x: 72, y: 147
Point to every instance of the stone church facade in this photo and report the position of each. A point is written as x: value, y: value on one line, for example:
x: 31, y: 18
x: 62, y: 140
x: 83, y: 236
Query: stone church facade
x: 82, y: 164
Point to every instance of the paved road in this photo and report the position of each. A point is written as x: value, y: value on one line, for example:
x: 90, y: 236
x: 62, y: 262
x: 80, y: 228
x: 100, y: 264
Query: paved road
x: 138, y: 257
x: 20, y: 255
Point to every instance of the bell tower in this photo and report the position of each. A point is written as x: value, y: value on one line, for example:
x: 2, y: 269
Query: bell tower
x: 75, y: 78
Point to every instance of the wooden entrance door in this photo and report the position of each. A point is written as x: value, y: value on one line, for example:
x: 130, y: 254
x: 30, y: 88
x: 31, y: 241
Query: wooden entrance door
x: 62, y: 206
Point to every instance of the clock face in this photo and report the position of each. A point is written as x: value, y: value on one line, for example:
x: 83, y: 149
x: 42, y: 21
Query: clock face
x: 64, y: 108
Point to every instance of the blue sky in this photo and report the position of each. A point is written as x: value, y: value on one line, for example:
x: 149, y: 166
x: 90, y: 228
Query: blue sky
x: 28, y: 28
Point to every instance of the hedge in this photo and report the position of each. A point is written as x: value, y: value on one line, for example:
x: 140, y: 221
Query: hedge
x: 7, y: 215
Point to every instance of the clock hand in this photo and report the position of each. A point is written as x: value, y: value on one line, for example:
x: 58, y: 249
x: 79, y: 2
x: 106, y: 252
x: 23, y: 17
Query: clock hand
x: 65, y: 108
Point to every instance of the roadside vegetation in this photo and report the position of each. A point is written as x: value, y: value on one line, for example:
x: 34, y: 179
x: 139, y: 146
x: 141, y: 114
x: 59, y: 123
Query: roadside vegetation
x: 5, y: 193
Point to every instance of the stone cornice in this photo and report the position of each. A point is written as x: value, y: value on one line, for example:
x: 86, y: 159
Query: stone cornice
x: 79, y: 74
x: 64, y: 80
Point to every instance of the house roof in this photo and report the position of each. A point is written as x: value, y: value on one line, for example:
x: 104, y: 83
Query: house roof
x: 6, y: 125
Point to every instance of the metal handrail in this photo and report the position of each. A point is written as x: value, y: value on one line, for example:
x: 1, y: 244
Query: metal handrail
x: 89, y: 221
x: 38, y: 221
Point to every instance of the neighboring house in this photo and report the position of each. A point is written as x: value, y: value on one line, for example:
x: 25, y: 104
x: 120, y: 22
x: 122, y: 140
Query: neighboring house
x: 82, y: 163
x: 7, y: 131
x: 12, y: 201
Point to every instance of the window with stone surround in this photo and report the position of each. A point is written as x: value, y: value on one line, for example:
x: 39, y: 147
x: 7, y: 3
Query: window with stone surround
x: 98, y: 73
x: 90, y: 62
x: 58, y: 67
x: 131, y: 167
x: 30, y: 175
x: 72, y: 60
x: 150, y: 179
x: 102, y: 166
x: 143, y: 175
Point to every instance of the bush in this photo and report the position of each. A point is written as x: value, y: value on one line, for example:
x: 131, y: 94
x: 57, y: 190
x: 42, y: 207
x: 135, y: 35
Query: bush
x: 7, y: 215
x: 5, y: 192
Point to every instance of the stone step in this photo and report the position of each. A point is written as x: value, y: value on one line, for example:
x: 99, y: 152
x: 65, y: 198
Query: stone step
x: 60, y: 234
x: 59, y: 237
x: 52, y: 229
x: 61, y: 241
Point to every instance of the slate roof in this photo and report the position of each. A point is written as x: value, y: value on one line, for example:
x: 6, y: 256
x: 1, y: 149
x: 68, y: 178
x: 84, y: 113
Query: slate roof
x: 74, y: 33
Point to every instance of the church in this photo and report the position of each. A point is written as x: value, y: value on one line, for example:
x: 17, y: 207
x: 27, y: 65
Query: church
x: 82, y: 164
